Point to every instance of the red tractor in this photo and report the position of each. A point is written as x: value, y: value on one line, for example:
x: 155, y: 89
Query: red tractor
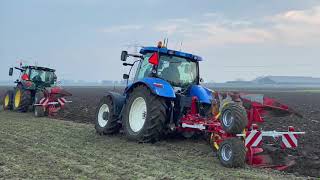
x: 35, y: 90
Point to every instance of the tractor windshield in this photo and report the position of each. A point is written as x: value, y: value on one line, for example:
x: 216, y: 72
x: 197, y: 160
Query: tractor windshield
x: 41, y: 76
x: 178, y: 71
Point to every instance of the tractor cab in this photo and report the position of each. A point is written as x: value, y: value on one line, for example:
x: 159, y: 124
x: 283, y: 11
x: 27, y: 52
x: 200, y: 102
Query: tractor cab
x: 35, y: 76
x: 177, y: 68
x: 168, y: 73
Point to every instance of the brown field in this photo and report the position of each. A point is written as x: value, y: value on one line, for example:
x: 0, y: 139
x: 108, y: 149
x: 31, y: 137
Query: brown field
x: 307, y: 155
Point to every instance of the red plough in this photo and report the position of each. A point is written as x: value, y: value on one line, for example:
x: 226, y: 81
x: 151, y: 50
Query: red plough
x: 254, y: 140
x: 53, y: 100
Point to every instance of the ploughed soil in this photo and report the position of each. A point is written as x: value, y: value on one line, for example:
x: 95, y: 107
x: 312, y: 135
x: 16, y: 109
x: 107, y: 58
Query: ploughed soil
x: 307, y: 103
x: 46, y: 148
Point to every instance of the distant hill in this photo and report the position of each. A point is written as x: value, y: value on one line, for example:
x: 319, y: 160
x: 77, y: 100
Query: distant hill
x: 286, y: 80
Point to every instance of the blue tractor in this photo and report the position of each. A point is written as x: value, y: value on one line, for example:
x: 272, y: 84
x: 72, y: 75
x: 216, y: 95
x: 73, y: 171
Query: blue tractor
x: 162, y: 89
x: 166, y: 96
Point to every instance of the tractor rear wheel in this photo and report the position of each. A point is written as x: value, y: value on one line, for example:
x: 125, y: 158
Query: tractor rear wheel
x: 233, y: 118
x: 21, y: 100
x: 106, y: 121
x: 39, y: 111
x: 8, y: 100
x: 232, y: 153
x: 145, y: 115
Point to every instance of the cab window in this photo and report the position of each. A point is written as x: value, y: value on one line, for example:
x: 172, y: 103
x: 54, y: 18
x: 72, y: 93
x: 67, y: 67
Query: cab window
x: 145, y: 68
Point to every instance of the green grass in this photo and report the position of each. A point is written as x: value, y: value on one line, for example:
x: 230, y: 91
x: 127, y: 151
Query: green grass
x: 42, y: 148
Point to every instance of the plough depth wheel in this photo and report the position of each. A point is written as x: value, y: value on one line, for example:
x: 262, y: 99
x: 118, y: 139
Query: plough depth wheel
x: 232, y: 153
x: 233, y: 118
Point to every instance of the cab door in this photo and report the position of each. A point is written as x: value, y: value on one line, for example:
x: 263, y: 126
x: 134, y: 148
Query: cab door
x: 144, y: 68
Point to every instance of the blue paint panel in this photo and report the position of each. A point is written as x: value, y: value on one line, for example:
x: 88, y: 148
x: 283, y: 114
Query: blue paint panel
x: 204, y: 94
x: 165, y: 90
x: 192, y: 57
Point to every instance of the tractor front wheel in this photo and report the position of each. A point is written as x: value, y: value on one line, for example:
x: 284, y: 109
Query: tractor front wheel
x: 232, y: 153
x: 21, y: 100
x: 106, y: 121
x: 145, y: 115
x: 8, y: 100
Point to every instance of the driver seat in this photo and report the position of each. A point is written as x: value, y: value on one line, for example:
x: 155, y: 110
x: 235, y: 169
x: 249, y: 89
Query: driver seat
x: 171, y: 73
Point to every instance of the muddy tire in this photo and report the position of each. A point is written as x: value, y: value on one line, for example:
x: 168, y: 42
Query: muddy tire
x: 232, y: 153
x: 7, y: 102
x: 21, y: 100
x: 39, y: 111
x: 145, y: 115
x: 106, y: 122
x: 233, y: 118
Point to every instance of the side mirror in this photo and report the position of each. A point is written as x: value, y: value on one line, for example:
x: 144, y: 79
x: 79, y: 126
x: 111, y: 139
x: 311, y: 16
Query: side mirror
x: 125, y: 76
x: 127, y: 64
x: 10, y: 71
x: 124, y: 55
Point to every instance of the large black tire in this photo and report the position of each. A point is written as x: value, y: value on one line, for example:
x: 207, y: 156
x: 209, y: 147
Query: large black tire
x: 21, y: 100
x: 154, y: 117
x: 106, y: 121
x: 233, y: 118
x: 7, y: 102
x: 232, y: 153
x: 39, y: 111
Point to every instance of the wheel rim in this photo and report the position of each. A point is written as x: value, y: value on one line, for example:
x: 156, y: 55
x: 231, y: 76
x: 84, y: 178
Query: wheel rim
x: 227, y: 118
x: 138, y: 114
x: 17, y: 98
x: 6, y: 101
x: 103, y: 120
x: 226, y: 152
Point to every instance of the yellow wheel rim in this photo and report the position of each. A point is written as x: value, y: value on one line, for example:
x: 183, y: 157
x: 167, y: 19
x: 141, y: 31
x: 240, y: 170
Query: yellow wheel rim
x: 17, y: 98
x: 6, y: 101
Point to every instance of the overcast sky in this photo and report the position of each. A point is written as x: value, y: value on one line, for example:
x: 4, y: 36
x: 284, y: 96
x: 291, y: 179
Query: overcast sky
x: 240, y: 39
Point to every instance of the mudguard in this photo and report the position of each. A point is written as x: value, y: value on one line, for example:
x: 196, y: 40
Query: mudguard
x: 158, y: 86
x: 118, y: 101
x: 203, y: 94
